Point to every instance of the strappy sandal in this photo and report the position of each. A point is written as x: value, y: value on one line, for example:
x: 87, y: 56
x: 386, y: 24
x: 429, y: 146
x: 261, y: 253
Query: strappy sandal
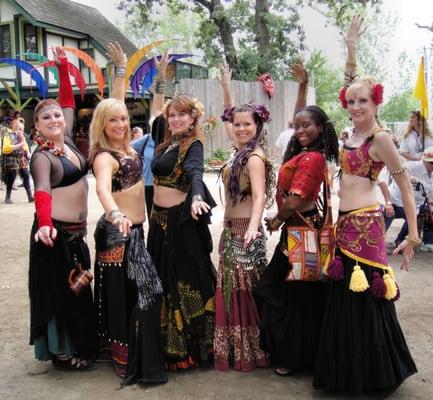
x: 74, y: 364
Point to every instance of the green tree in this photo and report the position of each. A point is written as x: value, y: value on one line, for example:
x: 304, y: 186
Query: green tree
x: 398, y: 107
x: 251, y: 36
x: 327, y: 81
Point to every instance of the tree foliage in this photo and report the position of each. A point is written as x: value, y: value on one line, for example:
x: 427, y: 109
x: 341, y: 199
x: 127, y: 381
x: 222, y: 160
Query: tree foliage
x: 327, y: 82
x: 252, y: 36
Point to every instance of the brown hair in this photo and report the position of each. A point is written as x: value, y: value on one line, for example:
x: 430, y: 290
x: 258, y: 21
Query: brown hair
x: 422, y: 121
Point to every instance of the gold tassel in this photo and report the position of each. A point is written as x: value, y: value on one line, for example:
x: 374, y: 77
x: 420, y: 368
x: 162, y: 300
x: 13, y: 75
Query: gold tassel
x: 391, y: 287
x: 358, y: 280
x: 391, y: 273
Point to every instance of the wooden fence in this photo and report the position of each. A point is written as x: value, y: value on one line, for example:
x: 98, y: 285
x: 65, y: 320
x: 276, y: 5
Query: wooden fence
x: 210, y: 93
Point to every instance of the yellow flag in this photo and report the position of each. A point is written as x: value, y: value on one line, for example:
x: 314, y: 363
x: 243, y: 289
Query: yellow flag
x: 420, y: 90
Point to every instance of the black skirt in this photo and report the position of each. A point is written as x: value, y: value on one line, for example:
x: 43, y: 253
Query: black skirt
x: 362, y: 347
x: 50, y: 296
x: 291, y: 314
x: 130, y: 336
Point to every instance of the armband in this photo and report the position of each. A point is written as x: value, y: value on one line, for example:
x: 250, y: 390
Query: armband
x: 43, y: 202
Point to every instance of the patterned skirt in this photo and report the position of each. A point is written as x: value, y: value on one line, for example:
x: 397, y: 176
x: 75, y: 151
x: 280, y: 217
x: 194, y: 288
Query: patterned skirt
x: 237, y: 319
x: 181, y: 252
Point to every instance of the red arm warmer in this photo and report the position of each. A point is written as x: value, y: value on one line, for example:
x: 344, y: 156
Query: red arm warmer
x: 43, y: 208
x: 66, y: 94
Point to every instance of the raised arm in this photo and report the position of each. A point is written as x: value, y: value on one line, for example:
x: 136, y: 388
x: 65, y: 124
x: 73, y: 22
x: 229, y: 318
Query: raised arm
x: 300, y: 75
x: 116, y: 55
x: 225, y: 81
x: 160, y: 85
x: 351, y: 38
x: 66, y: 94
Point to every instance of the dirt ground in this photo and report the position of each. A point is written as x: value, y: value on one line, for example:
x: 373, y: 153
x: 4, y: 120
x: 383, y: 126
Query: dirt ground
x: 22, y: 377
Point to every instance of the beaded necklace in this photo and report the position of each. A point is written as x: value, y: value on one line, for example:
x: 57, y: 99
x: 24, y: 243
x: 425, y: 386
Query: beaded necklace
x: 50, y: 146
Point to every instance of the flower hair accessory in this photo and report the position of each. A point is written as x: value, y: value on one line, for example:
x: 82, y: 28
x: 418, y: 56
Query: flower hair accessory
x: 262, y: 112
x: 342, y: 97
x: 376, y: 94
x: 258, y: 109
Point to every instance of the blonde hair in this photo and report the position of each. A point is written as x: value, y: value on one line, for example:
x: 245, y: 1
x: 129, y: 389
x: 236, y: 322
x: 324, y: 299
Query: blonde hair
x: 104, y: 111
x: 369, y: 83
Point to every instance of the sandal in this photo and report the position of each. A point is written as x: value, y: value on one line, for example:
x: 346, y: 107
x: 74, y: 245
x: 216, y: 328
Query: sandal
x: 74, y: 364
x: 281, y: 371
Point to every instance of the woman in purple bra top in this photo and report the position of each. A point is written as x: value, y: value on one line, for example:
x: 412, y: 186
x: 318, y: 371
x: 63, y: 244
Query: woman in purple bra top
x: 362, y: 347
x: 127, y: 287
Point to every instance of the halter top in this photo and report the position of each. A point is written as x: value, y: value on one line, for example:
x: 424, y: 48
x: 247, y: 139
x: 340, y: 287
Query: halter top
x: 129, y: 172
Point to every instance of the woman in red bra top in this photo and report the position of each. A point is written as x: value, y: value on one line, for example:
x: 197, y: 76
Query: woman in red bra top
x: 127, y: 287
x: 362, y: 347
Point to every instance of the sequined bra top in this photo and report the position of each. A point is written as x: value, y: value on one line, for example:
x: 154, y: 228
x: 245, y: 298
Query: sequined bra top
x: 357, y: 161
x: 129, y: 172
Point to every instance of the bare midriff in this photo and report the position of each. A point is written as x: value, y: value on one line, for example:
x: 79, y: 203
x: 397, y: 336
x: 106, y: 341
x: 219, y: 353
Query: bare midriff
x: 167, y: 197
x: 131, y: 202
x: 70, y: 202
x: 356, y: 192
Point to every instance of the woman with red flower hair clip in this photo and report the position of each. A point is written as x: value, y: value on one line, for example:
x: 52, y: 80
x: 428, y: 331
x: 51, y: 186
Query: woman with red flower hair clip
x: 362, y: 347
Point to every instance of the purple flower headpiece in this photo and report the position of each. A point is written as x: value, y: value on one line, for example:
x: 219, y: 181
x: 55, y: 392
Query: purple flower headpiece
x: 259, y: 110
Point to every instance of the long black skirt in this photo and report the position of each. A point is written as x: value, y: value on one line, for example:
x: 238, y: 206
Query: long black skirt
x: 181, y: 253
x: 128, y: 335
x: 362, y: 347
x: 52, y: 303
x: 291, y: 314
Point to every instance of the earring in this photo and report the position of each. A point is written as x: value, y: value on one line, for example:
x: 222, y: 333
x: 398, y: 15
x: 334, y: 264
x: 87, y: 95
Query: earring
x: 191, y: 127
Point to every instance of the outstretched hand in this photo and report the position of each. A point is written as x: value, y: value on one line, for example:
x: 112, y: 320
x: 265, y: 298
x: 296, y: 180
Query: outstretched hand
x: 58, y: 53
x: 162, y: 64
x: 116, y: 55
x: 225, y: 76
x: 356, y: 29
x: 408, y: 254
x: 299, y: 72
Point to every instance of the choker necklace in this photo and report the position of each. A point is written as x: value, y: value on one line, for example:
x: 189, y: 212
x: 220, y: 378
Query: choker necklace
x: 50, y: 146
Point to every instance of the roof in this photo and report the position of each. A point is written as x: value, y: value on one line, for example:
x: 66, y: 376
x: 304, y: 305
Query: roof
x: 76, y: 17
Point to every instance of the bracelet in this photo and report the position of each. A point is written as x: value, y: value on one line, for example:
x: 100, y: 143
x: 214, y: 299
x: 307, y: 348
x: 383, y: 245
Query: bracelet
x: 197, y: 197
x: 114, y: 211
x: 388, y: 203
x: 397, y: 171
x: 414, y: 242
x: 120, y: 71
x: 160, y: 85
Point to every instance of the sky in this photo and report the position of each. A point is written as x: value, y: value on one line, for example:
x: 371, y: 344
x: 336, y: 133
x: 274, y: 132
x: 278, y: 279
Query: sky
x: 408, y: 37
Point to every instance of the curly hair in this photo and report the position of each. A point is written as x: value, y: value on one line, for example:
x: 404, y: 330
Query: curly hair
x: 241, y: 156
x: 421, y: 120
x: 327, y: 142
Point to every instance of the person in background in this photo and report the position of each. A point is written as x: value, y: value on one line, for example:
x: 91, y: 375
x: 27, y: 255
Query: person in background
x: 136, y: 133
x: 283, y: 140
x: 419, y: 172
x: 413, y: 143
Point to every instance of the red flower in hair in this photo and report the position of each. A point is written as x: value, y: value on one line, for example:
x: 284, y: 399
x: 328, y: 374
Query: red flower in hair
x: 342, y: 97
x: 377, y: 93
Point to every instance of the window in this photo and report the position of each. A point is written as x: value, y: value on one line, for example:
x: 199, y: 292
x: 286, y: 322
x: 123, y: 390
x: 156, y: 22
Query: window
x: 183, y: 71
x: 5, y: 41
x: 30, y: 39
x: 90, y: 52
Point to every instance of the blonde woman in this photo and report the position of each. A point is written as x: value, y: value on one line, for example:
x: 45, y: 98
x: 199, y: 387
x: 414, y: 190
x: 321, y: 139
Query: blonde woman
x: 127, y: 287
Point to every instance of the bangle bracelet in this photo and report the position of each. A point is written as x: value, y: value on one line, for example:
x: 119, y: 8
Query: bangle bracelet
x: 160, y: 85
x: 114, y: 211
x: 414, y: 242
x: 397, y: 171
x: 197, y: 197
